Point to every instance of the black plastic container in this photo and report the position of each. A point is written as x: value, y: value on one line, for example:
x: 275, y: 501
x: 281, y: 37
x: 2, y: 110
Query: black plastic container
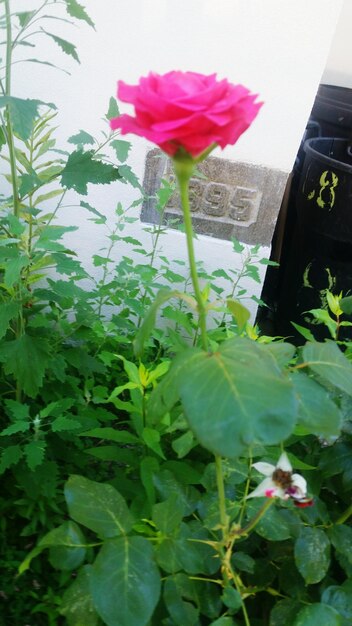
x: 332, y: 111
x: 320, y: 255
x: 324, y: 197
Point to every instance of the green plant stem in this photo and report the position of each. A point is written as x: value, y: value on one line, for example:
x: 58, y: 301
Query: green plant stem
x: 9, y: 130
x: 344, y: 516
x: 184, y: 170
x: 221, y: 496
x: 254, y: 521
x: 246, y: 490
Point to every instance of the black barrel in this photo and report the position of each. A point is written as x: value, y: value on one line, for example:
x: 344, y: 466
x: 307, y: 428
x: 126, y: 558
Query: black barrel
x: 332, y: 111
x: 320, y: 256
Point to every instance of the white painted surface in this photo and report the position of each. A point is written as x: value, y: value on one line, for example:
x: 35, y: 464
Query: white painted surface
x: 277, y: 48
x: 338, y: 69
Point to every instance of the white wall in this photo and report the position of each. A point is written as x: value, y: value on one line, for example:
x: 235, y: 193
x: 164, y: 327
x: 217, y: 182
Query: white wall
x: 338, y: 70
x: 277, y: 48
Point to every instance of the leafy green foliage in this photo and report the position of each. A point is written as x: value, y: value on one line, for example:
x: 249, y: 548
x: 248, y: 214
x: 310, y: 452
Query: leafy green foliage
x: 252, y: 408
x: 98, y: 507
x: 124, y: 595
x: 23, y: 113
x: 109, y: 398
x: 82, y: 168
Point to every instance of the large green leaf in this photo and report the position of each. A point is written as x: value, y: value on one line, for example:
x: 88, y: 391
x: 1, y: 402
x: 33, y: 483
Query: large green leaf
x: 23, y: 113
x: 97, y: 506
x: 66, y: 544
x: 82, y: 168
x: 236, y: 396
x: 125, y: 582
x: 318, y: 615
x: 168, y: 515
x: 26, y: 359
x: 340, y: 598
x: 284, y: 613
x: 327, y: 360
x: 77, y: 605
x: 341, y: 538
x: 312, y: 554
x: 179, y: 598
x: 316, y: 412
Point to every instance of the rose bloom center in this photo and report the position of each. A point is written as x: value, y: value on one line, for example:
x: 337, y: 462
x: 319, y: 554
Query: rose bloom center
x: 282, y: 479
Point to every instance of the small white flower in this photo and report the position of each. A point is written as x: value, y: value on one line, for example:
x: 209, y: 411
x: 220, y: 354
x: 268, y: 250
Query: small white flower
x: 280, y: 482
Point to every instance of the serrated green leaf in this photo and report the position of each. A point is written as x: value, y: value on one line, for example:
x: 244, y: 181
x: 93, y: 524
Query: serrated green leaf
x: 13, y: 269
x: 97, y: 506
x: 235, y: 397
x: 121, y: 148
x: 8, y: 312
x: 26, y: 359
x: 77, y: 604
x: 81, y: 138
x: 76, y: 10
x: 318, y: 614
x: 327, y: 360
x: 64, y: 423
x: 23, y: 113
x: 91, y: 209
x: 127, y: 174
x: 125, y: 583
x: 312, y: 554
x: 82, y: 168
x: 18, y: 427
x: 10, y: 456
x: 18, y: 410
x: 34, y: 452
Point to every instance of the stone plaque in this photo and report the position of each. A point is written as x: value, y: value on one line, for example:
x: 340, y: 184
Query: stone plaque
x: 227, y: 199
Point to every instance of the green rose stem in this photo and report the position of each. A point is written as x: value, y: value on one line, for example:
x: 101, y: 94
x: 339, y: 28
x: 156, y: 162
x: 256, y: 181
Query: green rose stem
x: 184, y: 166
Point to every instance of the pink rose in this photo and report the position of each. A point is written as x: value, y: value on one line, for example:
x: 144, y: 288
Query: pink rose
x: 186, y: 110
